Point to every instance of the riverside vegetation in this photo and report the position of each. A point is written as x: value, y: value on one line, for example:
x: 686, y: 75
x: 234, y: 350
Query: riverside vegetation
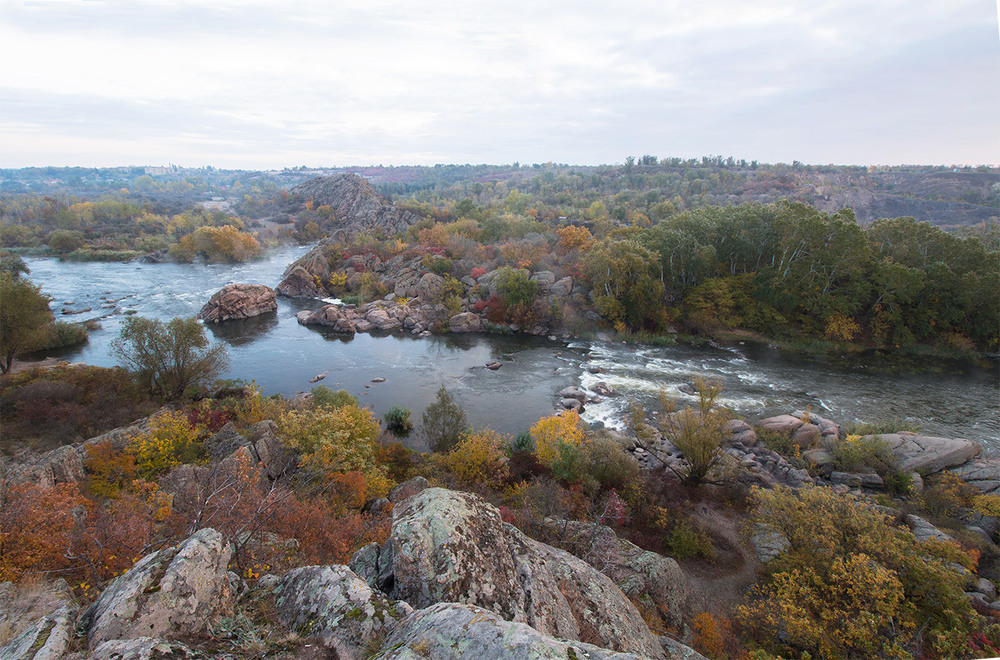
x: 790, y: 538
x: 738, y: 565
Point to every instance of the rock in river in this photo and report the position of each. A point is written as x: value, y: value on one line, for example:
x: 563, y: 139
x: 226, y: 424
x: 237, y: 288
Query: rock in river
x: 239, y: 301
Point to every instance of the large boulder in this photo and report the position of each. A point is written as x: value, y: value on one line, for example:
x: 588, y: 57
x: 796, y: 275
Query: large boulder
x: 453, y: 631
x: 465, y: 322
x: 653, y: 580
x: 332, y: 316
x: 239, y: 301
x: 171, y: 593
x: 61, y: 465
x: 143, y: 648
x: 429, y: 288
x: 982, y: 473
x: 448, y: 546
x: 928, y: 454
x: 41, y: 621
x: 305, y: 277
x: 334, y: 604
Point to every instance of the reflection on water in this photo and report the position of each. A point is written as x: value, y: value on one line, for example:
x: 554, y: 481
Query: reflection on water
x: 244, y: 331
x: 281, y: 356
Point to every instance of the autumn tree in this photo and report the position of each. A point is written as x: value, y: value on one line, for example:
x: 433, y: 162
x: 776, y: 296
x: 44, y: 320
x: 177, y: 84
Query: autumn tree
x: 168, y: 357
x: 24, y: 311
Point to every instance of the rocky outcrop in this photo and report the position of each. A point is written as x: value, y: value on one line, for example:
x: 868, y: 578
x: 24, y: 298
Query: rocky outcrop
x: 928, y: 454
x: 61, y: 465
x: 806, y: 429
x: 453, y: 547
x: 44, y: 630
x: 305, y: 278
x: 334, y: 604
x: 646, y: 577
x: 385, y: 316
x: 450, y: 631
x: 171, y: 593
x: 239, y: 301
x: 982, y: 473
x: 356, y: 205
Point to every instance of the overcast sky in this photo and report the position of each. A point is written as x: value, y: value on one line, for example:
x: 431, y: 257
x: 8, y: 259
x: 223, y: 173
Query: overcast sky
x: 322, y: 83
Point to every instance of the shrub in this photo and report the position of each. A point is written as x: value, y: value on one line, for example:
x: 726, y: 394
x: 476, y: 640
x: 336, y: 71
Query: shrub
x: 852, y: 585
x: 516, y: 288
x: 438, y: 265
x: 324, y: 397
x: 551, y: 432
x: 697, y: 433
x: 108, y: 469
x: 478, y: 458
x: 397, y: 421
x: 857, y: 453
x: 443, y: 422
x: 64, y: 240
x: 170, y: 441
x: 332, y: 440
x: 685, y: 540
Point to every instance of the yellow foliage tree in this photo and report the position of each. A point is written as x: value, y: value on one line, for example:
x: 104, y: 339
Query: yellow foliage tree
x: 550, y: 432
x: 478, y: 458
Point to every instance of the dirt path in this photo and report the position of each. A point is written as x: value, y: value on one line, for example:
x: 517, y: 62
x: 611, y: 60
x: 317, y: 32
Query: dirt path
x: 719, y: 585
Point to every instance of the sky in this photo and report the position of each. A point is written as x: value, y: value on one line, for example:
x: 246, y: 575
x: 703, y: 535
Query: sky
x: 261, y: 85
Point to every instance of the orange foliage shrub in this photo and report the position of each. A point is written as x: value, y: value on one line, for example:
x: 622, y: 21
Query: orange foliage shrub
x: 39, y: 528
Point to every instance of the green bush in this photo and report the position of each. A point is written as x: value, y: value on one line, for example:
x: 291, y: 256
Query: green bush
x: 438, y: 265
x: 324, y: 397
x: 858, y: 453
x: 397, y: 421
x: 685, y: 540
x: 444, y: 422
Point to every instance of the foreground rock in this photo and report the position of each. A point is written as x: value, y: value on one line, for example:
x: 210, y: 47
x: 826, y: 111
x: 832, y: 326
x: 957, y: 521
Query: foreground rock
x: 453, y: 547
x: 171, y: 593
x: 653, y: 580
x: 447, y: 631
x: 239, y: 301
x: 143, y: 648
x: 334, y: 604
x: 44, y: 630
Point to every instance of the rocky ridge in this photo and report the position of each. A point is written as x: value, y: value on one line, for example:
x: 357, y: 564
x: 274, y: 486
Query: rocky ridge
x: 356, y: 205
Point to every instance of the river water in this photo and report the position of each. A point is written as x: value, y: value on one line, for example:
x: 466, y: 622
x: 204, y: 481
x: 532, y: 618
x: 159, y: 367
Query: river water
x: 281, y: 356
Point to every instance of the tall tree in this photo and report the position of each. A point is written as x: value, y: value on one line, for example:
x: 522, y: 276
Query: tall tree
x: 168, y: 357
x: 24, y: 311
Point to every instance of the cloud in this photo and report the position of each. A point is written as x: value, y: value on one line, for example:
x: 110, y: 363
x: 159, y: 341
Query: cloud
x: 389, y: 81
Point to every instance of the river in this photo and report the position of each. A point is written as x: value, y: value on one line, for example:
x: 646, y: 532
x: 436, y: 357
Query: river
x: 281, y: 356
